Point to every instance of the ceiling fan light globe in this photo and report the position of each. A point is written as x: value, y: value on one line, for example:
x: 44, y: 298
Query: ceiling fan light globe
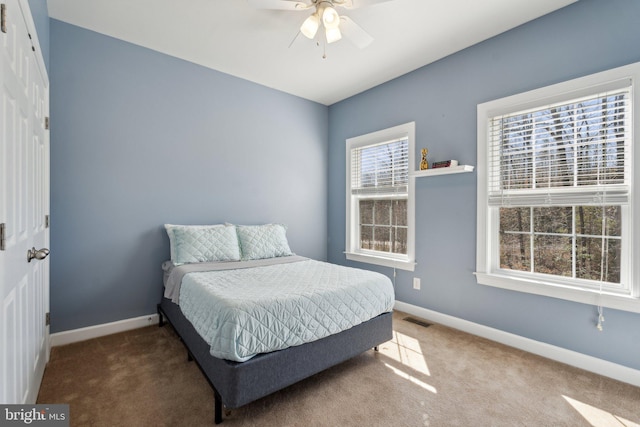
x: 330, y: 18
x: 310, y: 26
x: 333, y: 34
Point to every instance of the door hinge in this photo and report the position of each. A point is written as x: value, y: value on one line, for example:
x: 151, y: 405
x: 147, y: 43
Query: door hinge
x: 2, y: 236
x: 46, y: 221
x: 3, y: 17
x: 47, y: 319
x: 46, y: 123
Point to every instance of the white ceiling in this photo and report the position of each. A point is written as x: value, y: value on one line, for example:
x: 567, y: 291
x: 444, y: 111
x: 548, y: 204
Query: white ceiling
x: 234, y: 38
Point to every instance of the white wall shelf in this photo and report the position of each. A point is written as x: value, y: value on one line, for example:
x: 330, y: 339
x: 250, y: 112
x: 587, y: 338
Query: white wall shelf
x: 443, y: 171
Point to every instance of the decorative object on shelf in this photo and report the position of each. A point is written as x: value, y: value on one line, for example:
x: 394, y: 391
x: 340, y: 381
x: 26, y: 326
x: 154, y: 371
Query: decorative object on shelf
x: 424, y: 164
x: 444, y: 164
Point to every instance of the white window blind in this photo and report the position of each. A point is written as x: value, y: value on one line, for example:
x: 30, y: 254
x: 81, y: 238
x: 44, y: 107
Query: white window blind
x: 381, y: 168
x: 565, y: 153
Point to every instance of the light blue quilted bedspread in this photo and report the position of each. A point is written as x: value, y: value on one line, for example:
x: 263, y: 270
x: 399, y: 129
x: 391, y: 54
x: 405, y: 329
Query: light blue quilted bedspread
x: 244, y: 312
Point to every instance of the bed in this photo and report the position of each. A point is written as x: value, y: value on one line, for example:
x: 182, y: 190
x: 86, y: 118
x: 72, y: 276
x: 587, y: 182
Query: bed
x: 257, y: 318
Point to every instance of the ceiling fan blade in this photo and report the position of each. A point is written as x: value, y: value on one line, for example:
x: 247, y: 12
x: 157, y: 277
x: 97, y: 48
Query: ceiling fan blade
x: 355, y: 4
x: 279, y: 4
x: 354, y: 33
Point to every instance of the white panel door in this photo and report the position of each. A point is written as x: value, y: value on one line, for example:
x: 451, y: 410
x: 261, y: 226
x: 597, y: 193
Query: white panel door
x: 24, y: 203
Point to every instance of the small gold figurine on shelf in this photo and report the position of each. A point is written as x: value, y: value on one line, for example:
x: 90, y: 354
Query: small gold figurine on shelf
x: 424, y: 164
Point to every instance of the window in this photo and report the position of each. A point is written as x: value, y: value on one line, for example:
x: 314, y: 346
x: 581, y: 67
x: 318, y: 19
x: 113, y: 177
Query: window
x: 380, y: 205
x: 556, y: 189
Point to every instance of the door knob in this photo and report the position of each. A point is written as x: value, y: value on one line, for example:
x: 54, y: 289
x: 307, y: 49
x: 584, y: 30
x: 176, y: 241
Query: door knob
x: 37, y: 254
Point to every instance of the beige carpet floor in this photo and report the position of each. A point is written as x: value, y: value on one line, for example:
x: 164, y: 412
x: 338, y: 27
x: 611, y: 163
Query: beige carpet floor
x: 433, y: 376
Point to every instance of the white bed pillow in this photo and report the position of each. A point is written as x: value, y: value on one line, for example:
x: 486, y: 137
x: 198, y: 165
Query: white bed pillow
x: 203, y: 243
x: 263, y: 241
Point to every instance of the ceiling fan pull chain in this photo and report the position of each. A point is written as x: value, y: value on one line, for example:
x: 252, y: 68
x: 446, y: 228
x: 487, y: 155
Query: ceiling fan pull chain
x: 294, y: 39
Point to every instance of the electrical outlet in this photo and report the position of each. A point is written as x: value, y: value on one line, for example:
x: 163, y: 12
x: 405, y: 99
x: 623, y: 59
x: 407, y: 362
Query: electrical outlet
x: 416, y: 283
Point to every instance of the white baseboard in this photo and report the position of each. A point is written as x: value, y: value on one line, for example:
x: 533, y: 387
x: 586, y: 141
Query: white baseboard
x: 559, y: 354
x: 83, y: 334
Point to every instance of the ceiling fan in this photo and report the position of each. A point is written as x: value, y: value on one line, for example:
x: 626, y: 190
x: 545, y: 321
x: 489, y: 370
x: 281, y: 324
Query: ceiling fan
x: 326, y: 16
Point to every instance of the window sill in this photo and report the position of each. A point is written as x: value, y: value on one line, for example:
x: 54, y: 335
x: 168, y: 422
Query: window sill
x: 386, y: 262
x: 618, y: 302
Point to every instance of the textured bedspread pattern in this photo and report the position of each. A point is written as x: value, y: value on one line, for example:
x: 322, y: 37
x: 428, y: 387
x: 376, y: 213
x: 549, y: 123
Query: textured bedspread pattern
x: 244, y: 312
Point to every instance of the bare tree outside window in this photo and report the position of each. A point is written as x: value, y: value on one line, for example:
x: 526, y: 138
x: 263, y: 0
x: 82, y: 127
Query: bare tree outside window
x: 383, y: 225
x: 574, y: 145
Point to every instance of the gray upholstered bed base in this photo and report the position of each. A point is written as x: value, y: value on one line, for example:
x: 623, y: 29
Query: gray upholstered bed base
x: 238, y: 383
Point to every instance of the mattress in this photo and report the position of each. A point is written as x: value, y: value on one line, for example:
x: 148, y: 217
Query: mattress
x: 243, y: 310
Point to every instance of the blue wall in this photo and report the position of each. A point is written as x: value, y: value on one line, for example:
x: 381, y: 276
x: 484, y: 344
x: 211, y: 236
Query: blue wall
x: 140, y: 139
x: 586, y: 37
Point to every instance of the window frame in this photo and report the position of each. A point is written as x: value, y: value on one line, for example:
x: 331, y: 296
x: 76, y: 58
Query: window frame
x: 352, y: 215
x: 488, y: 271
